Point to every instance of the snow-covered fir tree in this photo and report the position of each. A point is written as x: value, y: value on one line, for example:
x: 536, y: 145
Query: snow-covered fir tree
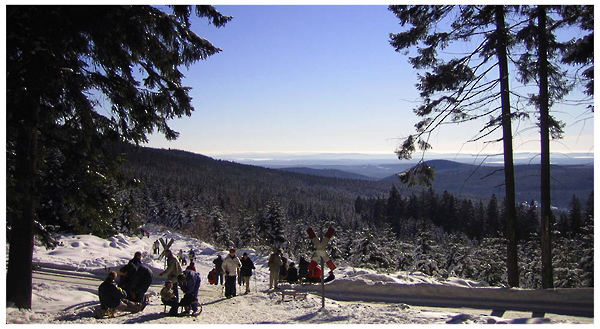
x: 221, y: 234
x: 247, y: 231
x: 487, y: 262
x: 426, y: 255
x: 271, y: 225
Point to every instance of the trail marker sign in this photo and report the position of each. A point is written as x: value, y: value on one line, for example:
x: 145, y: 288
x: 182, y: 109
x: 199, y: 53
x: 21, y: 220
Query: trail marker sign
x: 166, y: 245
x: 321, y: 255
x: 320, y: 247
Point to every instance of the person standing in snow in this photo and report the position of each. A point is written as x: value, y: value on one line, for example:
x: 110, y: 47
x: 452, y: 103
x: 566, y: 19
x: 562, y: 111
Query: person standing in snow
x: 192, y: 255
x: 189, y: 281
x: 274, y: 268
x: 112, y: 298
x: 182, y: 259
x: 219, y: 269
x: 231, y: 267
x: 246, y: 271
x: 172, y: 271
x: 292, y: 276
x: 156, y: 249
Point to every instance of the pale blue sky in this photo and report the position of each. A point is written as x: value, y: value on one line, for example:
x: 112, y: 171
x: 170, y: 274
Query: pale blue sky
x: 316, y: 79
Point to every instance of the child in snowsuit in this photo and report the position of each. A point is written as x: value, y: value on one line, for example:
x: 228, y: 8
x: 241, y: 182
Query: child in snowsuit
x: 167, y: 296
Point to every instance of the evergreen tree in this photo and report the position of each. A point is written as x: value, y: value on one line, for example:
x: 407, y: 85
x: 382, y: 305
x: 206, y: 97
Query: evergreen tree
x: 57, y: 57
x: 580, y: 52
x: 221, y: 233
x: 367, y: 253
x: 248, y: 236
x: 460, y: 89
x: 273, y: 221
x: 492, y: 224
x: 589, y: 207
x: 575, y: 218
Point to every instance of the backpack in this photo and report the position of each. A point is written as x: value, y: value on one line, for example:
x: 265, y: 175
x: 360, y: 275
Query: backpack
x: 212, y: 276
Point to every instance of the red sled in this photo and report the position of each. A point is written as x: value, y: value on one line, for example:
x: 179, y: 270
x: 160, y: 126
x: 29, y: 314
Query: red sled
x: 212, y: 276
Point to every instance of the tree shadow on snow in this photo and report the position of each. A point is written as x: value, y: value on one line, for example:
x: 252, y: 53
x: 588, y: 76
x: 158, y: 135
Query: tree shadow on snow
x: 214, y: 301
x: 146, y: 318
x: 81, y: 305
x: 77, y: 316
x: 310, y: 316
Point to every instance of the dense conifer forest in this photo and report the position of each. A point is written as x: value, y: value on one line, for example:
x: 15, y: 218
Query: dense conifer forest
x: 377, y: 224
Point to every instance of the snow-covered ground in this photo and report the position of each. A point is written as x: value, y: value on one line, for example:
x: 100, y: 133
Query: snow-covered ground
x: 66, y: 282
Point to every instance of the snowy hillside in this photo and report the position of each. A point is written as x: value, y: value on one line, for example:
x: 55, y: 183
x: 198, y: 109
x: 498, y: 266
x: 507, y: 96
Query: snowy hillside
x: 66, y: 281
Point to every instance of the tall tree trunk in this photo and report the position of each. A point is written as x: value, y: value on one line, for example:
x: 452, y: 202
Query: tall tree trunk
x: 509, y: 171
x: 547, y: 280
x: 18, y: 276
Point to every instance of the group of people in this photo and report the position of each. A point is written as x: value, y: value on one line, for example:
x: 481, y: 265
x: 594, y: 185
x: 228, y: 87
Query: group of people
x: 189, y: 282
x: 232, y: 269
x: 183, y: 260
x: 130, y: 292
x: 281, y: 271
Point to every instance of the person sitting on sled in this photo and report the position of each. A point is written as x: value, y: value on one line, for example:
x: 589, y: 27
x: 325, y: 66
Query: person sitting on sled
x: 167, y: 296
x: 113, y: 298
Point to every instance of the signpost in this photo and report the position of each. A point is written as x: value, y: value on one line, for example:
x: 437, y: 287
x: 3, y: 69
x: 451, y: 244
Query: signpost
x: 166, y: 245
x: 321, y: 255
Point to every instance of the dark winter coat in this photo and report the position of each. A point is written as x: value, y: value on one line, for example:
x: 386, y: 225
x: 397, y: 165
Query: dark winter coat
x: 135, y: 261
x: 218, y: 263
x: 247, y: 267
x: 303, y: 268
x: 110, y: 295
x: 284, y: 267
x: 292, y: 276
x: 192, y: 283
x: 141, y: 280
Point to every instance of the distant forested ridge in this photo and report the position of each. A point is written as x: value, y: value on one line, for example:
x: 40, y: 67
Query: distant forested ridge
x: 481, y: 182
x: 379, y: 224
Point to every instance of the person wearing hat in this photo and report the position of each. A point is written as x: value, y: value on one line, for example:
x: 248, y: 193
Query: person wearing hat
x: 231, y: 267
x: 274, y: 268
x: 246, y: 271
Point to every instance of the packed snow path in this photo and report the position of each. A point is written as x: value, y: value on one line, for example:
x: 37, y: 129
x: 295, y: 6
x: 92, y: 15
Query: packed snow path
x: 261, y: 307
x: 66, y: 280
